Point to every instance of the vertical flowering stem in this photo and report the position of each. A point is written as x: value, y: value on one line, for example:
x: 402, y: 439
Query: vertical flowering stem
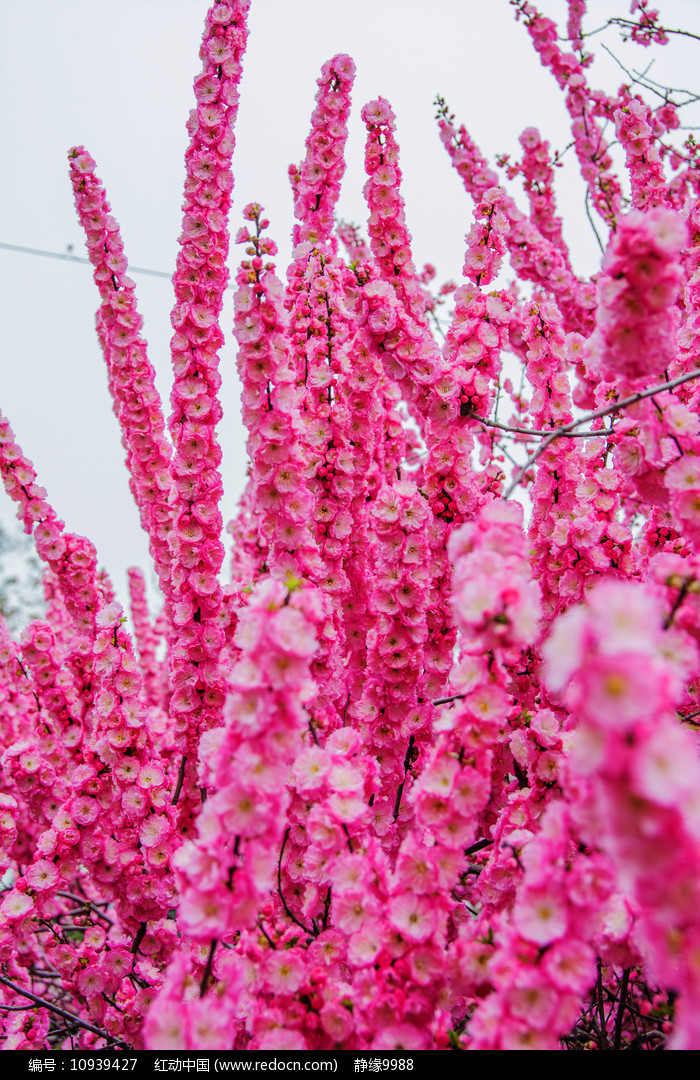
x: 200, y: 280
x: 390, y: 239
x: 145, y: 636
x: 321, y: 172
x: 583, y: 106
x: 538, y: 175
x: 533, y: 257
x: 635, y: 128
x: 620, y: 673
x: 131, y: 376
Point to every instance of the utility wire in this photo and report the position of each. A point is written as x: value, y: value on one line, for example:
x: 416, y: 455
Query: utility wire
x: 68, y: 256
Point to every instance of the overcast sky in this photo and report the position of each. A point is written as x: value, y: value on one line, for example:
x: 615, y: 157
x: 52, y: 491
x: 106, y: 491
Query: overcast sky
x: 116, y: 76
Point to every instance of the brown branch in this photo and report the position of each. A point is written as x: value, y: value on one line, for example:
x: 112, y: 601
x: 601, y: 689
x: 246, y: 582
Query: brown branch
x: 682, y: 593
x: 326, y: 908
x: 180, y: 780
x: 87, y: 904
x: 535, y: 433
x: 140, y: 935
x: 406, y: 765
x: 285, y: 905
x: 628, y: 24
x: 312, y: 729
x: 270, y: 942
x: 591, y: 222
x: 207, y: 971
x: 478, y: 846
x: 621, y: 1009
x: 62, y: 1012
x: 84, y: 900
x: 345, y: 830
x: 623, y: 404
x: 603, y: 1043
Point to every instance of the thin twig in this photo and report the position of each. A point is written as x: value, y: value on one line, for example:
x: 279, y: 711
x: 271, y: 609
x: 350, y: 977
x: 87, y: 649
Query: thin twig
x: 621, y: 1009
x: 207, y: 970
x: 634, y: 78
x: 478, y: 846
x: 62, y: 1012
x: 84, y: 900
x: 350, y: 847
x: 682, y: 593
x: 592, y: 223
x: 140, y: 935
x: 270, y: 942
x: 627, y: 24
x: 690, y: 94
x: 87, y: 906
x: 180, y: 780
x: 506, y: 453
x: 285, y: 905
x: 603, y: 1045
x: 623, y: 404
x: 312, y: 729
x: 534, y: 433
x: 406, y: 765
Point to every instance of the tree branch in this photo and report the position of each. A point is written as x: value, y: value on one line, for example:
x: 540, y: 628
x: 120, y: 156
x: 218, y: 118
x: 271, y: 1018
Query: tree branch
x: 285, y: 905
x: 621, y: 1009
x: 606, y: 411
x: 62, y: 1012
x: 207, y: 970
x: 180, y: 780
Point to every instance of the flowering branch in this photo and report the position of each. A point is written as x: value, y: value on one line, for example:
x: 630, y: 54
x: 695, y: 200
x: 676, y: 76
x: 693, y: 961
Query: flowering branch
x: 63, y: 1012
x: 605, y: 411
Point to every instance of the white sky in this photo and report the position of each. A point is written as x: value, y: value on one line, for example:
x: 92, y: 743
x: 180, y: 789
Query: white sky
x: 116, y: 76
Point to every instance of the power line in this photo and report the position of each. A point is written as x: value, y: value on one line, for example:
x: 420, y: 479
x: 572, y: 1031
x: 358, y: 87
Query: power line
x: 68, y: 256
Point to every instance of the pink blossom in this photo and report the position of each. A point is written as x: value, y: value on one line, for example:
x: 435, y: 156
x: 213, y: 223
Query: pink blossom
x: 284, y: 972
x: 540, y: 916
x: 413, y: 916
x: 16, y: 905
x: 42, y: 875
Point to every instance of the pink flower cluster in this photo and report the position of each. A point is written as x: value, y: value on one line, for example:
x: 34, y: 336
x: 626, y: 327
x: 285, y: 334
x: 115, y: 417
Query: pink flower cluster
x: 584, y: 107
x: 533, y: 256
x: 131, y: 377
x: 389, y: 236
x: 637, y: 294
x: 228, y: 871
x: 200, y: 279
x: 538, y: 176
x: 647, y: 29
x: 317, y: 182
x: 419, y: 770
x: 636, y: 127
x: 621, y: 673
